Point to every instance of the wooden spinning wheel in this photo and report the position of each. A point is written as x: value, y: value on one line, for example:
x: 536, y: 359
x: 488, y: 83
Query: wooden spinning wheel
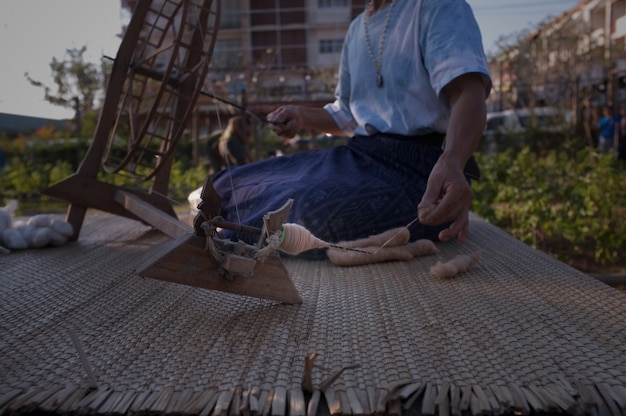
x: 159, y: 70
x: 157, y: 76
x: 168, y: 68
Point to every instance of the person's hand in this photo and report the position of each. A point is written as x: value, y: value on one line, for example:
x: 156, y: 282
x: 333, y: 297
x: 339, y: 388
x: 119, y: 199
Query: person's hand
x: 285, y: 121
x: 447, y: 198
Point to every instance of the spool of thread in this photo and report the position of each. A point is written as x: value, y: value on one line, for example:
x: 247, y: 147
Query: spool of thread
x: 297, y: 239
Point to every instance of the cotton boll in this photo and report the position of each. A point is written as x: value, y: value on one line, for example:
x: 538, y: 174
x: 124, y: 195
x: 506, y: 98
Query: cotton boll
x: 19, y: 224
x: 62, y: 227
x: 422, y: 247
x: 11, y: 207
x: 35, y: 237
x: 5, y: 220
x: 6, y: 214
x: 40, y: 238
x: 373, y: 254
x: 56, y: 238
x: 394, y: 237
x: 40, y: 220
x: 27, y: 231
x: 13, y: 239
x: 456, y: 266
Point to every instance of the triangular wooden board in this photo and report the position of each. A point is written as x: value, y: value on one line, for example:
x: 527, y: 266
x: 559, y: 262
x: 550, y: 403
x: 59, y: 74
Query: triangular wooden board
x: 184, y: 261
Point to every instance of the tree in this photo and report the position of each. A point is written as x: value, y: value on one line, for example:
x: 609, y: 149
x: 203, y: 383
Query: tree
x: 77, y: 85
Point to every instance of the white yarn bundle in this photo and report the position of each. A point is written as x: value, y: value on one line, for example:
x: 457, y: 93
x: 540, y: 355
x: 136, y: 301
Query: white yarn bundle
x: 39, y: 231
x: 297, y: 239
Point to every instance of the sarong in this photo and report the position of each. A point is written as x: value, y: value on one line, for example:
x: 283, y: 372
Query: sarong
x: 340, y: 193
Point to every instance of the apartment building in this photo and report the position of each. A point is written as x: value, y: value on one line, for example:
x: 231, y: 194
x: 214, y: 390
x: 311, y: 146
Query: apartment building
x: 277, y: 51
x: 577, y: 56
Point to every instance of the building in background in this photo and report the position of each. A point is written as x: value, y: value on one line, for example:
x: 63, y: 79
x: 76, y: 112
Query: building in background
x: 271, y: 52
x: 576, y: 57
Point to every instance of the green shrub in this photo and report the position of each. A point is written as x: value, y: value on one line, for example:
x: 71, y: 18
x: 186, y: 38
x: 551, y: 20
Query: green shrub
x: 567, y: 202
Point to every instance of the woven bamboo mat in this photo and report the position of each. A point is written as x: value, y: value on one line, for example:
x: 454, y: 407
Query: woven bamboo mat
x: 520, y: 332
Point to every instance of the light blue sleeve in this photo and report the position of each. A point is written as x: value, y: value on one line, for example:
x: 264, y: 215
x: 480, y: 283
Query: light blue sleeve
x: 451, y: 43
x: 339, y: 110
x: 429, y: 43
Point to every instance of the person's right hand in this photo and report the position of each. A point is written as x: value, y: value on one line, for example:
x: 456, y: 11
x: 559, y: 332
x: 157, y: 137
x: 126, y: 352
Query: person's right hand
x: 285, y: 121
x: 447, y: 198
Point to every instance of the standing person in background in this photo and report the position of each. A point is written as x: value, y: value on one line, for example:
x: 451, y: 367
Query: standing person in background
x: 413, y: 81
x: 608, y: 129
x: 589, y: 123
x: 621, y: 134
x: 234, y: 142
x: 213, y: 152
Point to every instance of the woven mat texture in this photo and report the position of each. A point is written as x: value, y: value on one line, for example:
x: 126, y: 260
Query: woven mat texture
x: 519, y: 332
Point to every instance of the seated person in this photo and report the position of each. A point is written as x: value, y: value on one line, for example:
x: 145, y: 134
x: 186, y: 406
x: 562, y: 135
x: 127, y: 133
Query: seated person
x: 411, y: 93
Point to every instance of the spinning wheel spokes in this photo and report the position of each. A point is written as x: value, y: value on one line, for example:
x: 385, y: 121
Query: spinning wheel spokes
x: 167, y: 70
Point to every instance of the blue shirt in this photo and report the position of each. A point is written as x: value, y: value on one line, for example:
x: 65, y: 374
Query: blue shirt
x: 607, y: 126
x: 428, y: 43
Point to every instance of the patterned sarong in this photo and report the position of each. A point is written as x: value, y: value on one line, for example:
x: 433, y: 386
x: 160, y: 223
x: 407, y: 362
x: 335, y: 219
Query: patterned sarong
x: 341, y: 193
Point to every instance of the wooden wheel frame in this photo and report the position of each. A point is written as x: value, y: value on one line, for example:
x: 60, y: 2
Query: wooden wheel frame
x: 168, y: 68
x: 158, y: 73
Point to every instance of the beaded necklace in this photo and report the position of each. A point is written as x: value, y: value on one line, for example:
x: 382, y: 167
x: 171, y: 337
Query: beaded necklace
x: 381, y: 44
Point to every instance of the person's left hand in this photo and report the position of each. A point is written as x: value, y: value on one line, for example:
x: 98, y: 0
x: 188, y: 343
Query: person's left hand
x: 285, y: 121
x: 447, y: 198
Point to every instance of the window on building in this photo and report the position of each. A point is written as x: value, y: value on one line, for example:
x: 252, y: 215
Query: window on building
x: 330, y: 45
x: 227, y: 53
x: 327, y: 4
x: 273, y: 12
x: 230, y: 14
x: 293, y: 48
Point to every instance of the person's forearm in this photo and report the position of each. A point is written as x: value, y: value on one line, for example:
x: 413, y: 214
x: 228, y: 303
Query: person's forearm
x: 466, y: 125
x: 315, y: 118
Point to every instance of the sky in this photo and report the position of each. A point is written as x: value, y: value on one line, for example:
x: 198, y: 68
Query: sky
x: 503, y: 18
x: 32, y: 32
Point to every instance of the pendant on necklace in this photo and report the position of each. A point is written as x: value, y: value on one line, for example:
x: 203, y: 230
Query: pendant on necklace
x: 379, y: 80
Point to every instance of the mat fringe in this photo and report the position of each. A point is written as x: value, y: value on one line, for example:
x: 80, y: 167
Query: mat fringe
x: 427, y: 398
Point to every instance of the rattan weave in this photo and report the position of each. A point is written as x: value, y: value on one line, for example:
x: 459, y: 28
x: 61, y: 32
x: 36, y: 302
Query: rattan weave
x: 519, y: 332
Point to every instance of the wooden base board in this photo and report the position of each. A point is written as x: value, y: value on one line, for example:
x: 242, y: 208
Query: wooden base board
x: 184, y: 261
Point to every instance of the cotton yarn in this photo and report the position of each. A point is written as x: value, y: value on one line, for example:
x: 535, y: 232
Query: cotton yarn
x: 393, y: 237
x: 296, y: 239
x: 402, y: 252
x: 459, y: 264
